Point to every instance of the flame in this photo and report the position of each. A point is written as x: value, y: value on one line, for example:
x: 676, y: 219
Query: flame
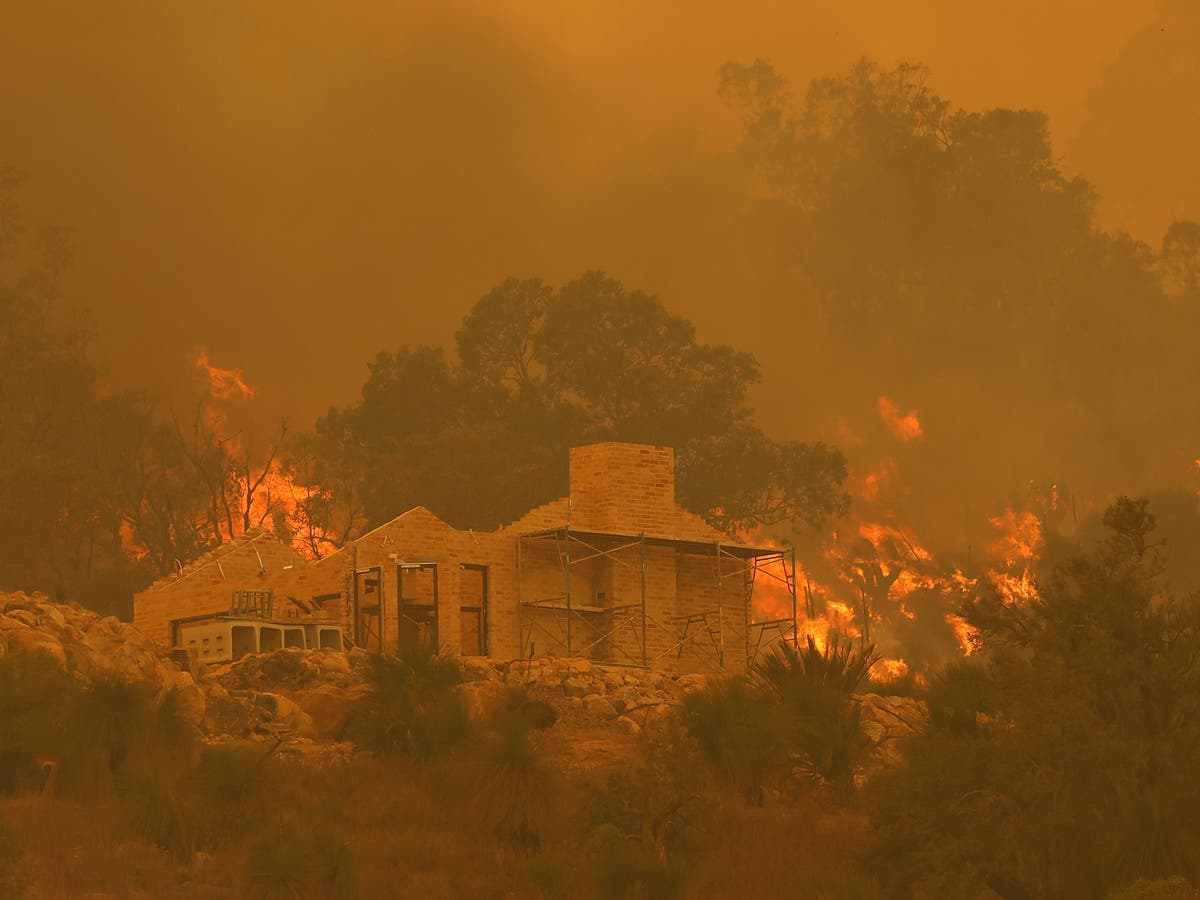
x: 872, y: 579
x: 1014, y: 589
x: 874, y: 482
x: 268, y: 494
x: 133, y: 550
x: 1019, y: 546
x: 223, y: 384
x: 905, y: 427
x: 1020, y: 537
x: 968, y: 637
x: 890, y: 669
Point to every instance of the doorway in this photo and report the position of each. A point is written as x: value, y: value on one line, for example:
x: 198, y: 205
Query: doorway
x: 417, y: 607
x: 473, y: 603
x: 368, y: 608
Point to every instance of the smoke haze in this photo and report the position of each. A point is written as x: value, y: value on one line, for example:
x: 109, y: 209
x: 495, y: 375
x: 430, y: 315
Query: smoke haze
x: 295, y: 187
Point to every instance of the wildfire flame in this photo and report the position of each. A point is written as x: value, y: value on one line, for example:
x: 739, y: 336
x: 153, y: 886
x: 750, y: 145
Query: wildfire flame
x: 223, y: 384
x: 906, y: 426
x: 1020, y: 537
x: 269, y: 493
x: 1018, y: 546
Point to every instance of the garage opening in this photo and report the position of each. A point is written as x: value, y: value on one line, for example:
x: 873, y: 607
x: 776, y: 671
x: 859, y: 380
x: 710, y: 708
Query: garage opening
x: 244, y: 640
x: 270, y: 639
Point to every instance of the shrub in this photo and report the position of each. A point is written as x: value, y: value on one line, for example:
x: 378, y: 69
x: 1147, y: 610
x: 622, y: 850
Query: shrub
x: 960, y: 696
x: 516, y: 787
x: 413, y: 708
x: 289, y: 861
x: 11, y: 886
x: 35, y: 695
x: 621, y: 869
x: 155, y: 812
x: 737, y: 728
x: 662, y: 799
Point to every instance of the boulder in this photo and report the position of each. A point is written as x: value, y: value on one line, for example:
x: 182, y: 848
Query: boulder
x: 539, y: 714
x: 576, y: 687
x: 627, y: 725
x: 35, y: 640
x: 286, y: 713
x: 597, y: 707
x: 625, y: 697
x: 115, y: 649
x: 26, y: 617
x: 480, y: 668
x: 329, y: 709
x: 892, y: 717
x: 484, y: 699
x: 190, y: 698
x: 331, y: 662
x: 612, y: 680
x: 689, y: 684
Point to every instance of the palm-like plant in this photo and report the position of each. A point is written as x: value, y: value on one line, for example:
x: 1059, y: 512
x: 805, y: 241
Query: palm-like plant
x: 414, y: 708
x: 838, y: 667
x: 815, y: 689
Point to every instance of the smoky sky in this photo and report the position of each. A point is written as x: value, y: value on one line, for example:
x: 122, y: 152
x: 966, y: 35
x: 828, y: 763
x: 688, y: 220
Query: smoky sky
x: 294, y: 186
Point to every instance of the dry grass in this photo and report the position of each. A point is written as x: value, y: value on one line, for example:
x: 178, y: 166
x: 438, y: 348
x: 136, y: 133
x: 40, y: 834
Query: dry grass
x: 415, y: 830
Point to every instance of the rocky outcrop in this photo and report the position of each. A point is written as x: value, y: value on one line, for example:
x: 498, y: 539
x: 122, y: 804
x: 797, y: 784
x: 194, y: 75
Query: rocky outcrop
x: 584, y: 693
x: 308, y: 696
x: 290, y: 692
x: 94, y: 648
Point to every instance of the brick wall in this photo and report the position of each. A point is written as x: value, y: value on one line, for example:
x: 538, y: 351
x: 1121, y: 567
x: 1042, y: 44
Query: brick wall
x: 206, y: 587
x: 623, y: 488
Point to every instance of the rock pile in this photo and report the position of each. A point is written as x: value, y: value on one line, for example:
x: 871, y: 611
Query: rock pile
x: 93, y: 647
x: 309, y: 695
x: 580, y: 691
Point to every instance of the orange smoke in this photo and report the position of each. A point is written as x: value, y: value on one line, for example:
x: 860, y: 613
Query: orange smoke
x: 905, y: 427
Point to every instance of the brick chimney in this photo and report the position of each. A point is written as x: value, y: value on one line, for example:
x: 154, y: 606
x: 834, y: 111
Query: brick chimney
x: 627, y: 488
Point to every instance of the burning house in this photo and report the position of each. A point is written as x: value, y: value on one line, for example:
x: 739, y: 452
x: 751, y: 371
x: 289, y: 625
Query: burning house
x: 616, y: 571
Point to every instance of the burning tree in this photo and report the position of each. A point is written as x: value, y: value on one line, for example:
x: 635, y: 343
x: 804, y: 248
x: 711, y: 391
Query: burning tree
x: 1063, y: 765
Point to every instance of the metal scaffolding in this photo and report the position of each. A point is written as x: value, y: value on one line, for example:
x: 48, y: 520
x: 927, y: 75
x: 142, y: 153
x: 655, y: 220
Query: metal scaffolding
x: 595, y: 627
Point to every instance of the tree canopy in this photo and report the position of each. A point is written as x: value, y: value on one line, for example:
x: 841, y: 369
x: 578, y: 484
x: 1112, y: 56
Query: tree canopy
x: 945, y: 255
x: 482, y: 438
